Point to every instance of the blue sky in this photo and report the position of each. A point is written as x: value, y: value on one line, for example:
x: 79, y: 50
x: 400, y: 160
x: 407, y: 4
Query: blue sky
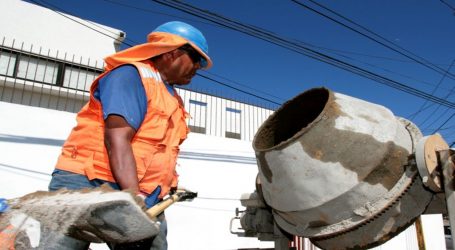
x: 425, y: 28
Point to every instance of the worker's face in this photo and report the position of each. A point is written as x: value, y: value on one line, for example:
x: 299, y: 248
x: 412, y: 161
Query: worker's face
x: 183, y: 67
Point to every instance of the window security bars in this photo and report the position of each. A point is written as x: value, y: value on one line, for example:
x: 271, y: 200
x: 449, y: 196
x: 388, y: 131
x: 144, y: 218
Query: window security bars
x: 36, y: 79
x: 63, y: 83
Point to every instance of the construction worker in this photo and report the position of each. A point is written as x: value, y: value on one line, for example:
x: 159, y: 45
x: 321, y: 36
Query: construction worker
x: 128, y: 134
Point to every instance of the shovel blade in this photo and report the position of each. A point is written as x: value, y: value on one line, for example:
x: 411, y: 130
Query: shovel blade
x: 93, y: 215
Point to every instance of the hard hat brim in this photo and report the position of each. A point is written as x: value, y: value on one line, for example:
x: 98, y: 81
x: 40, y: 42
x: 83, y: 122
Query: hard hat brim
x: 166, y: 39
x: 208, y: 62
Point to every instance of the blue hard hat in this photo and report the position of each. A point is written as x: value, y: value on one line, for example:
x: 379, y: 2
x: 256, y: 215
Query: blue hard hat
x: 189, y: 33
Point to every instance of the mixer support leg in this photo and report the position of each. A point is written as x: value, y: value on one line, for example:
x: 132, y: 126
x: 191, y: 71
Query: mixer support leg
x: 447, y: 158
x: 281, y: 240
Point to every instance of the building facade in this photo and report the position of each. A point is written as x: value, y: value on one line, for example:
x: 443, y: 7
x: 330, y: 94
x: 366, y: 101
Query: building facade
x: 53, y: 67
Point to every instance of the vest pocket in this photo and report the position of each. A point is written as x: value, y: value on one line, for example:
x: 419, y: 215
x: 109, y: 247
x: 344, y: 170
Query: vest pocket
x: 146, y: 163
x: 157, y: 125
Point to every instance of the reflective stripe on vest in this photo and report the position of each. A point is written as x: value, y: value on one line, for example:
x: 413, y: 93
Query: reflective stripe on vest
x: 155, y: 144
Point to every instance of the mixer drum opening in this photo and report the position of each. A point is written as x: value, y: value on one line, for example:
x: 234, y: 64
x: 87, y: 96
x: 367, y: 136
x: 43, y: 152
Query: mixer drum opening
x: 293, y: 117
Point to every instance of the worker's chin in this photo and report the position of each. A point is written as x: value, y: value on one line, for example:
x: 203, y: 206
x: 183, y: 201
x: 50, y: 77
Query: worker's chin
x: 184, y: 81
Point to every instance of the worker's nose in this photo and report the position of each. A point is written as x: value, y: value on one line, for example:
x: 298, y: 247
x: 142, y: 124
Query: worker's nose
x: 197, y: 66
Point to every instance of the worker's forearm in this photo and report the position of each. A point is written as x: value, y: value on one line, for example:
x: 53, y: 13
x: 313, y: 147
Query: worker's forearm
x: 117, y: 139
x: 123, y: 164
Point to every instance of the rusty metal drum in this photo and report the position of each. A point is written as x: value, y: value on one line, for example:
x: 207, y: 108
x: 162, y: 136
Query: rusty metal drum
x: 330, y: 164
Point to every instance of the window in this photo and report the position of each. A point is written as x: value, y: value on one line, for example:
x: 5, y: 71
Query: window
x: 7, y: 63
x: 76, y: 78
x: 233, y: 123
x: 36, y: 69
x: 198, y: 113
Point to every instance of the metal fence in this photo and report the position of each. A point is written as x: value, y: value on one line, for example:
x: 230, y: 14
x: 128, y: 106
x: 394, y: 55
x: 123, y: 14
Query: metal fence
x: 217, y: 116
x: 51, y: 79
x: 42, y: 78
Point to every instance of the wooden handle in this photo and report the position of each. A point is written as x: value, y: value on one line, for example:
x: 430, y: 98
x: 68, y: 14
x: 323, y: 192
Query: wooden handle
x: 159, y: 208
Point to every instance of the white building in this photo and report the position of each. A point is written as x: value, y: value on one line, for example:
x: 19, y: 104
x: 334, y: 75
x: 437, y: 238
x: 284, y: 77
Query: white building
x: 53, y: 67
x: 44, y: 78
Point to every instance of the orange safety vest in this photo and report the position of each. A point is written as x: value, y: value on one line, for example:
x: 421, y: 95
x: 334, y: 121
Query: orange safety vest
x: 8, y: 238
x: 155, y: 144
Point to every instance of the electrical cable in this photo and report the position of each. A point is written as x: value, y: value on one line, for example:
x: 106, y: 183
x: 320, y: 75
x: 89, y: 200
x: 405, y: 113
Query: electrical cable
x: 243, y: 85
x: 271, y: 38
x: 444, y: 123
x: 136, y: 42
x: 412, y: 56
x: 443, y: 113
x: 371, y: 77
x: 48, y: 5
x: 154, y: 12
x: 74, y: 20
x: 433, y: 91
x: 368, y: 55
x: 243, y: 91
x: 446, y: 128
x: 193, y: 20
x: 448, y: 5
x: 387, y: 70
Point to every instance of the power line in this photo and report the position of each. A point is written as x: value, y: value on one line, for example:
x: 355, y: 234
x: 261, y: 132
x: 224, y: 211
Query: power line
x: 408, y: 53
x: 342, y: 52
x: 448, y: 5
x: 434, y: 90
x: 388, y: 70
x: 243, y: 91
x: 243, y: 85
x: 443, y: 113
x: 434, y: 120
x: 442, y: 129
x: 279, y: 41
x: 48, y: 6
x: 135, y: 42
x: 208, y: 23
x: 369, y: 55
x: 444, y: 123
x: 153, y: 11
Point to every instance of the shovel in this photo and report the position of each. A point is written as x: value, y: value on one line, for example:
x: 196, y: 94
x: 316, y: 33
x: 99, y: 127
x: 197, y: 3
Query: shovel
x: 179, y: 195
x: 93, y: 215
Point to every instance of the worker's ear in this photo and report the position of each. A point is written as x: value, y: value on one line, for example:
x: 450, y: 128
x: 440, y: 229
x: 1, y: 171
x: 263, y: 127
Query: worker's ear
x: 171, y: 55
x: 166, y: 56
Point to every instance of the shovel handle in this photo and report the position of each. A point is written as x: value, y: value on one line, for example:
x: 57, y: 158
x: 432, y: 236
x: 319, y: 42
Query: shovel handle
x: 160, y: 207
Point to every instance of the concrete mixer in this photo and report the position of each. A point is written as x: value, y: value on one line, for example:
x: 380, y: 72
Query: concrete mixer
x: 343, y: 172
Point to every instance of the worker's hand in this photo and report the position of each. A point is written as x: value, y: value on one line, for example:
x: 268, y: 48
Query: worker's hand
x: 149, y: 199
x: 141, y: 195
